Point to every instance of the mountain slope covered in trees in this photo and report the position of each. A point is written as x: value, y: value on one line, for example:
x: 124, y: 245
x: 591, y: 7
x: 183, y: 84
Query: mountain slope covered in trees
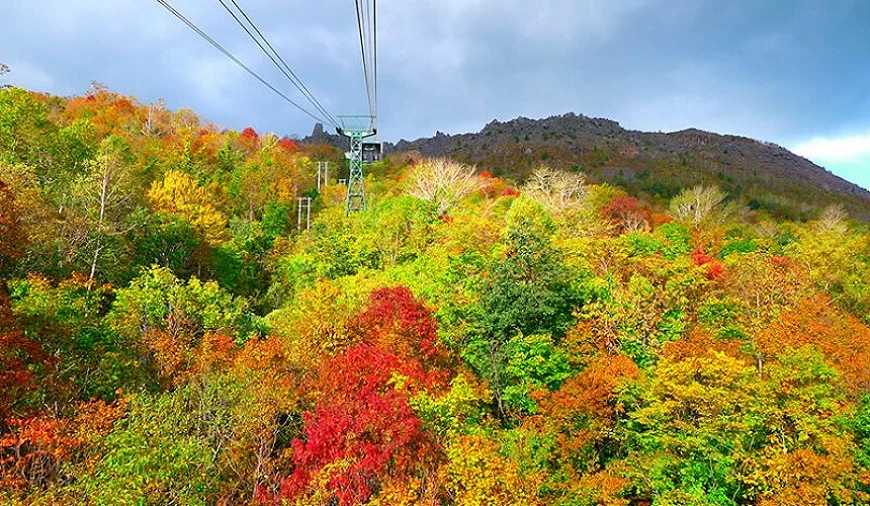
x: 169, y: 336
x: 764, y: 175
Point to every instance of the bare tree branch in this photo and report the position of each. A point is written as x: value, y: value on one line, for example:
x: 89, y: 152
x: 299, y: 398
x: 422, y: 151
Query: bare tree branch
x: 443, y: 182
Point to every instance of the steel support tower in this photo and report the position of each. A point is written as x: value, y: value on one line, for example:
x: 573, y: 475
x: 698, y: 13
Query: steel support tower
x: 356, y: 128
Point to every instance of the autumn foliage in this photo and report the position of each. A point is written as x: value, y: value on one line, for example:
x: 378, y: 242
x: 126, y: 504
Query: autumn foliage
x: 249, y: 138
x: 713, y: 267
x: 171, y: 334
x: 289, y: 145
x: 19, y: 356
x: 627, y: 213
x: 32, y: 452
x: 362, y: 430
x: 395, y: 320
x: 10, y: 227
x: 817, y: 322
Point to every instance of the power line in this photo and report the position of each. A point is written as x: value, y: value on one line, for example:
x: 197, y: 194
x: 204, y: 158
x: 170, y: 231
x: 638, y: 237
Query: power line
x: 232, y: 57
x: 363, y: 36
x: 286, y: 65
x: 375, y: 38
x: 362, y: 45
x: 286, y: 69
x: 370, y: 24
x: 299, y: 85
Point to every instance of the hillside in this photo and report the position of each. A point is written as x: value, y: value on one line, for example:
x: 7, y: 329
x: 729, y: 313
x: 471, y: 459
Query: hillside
x: 765, y: 175
x: 173, y: 332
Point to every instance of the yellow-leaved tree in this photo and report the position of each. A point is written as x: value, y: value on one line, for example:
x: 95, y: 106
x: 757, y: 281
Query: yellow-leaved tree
x: 177, y: 193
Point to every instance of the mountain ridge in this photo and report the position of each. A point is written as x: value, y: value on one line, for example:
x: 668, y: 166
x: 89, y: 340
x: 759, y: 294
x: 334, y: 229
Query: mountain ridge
x: 768, y: 175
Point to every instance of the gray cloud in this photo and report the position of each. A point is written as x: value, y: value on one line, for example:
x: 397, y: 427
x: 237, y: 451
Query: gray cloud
x: 785, y: 71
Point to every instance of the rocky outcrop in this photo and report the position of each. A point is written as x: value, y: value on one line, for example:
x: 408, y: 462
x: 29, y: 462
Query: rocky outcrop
x: 607, y: 151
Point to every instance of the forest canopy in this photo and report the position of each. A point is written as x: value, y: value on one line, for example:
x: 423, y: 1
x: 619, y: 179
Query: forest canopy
x: 170, y: 334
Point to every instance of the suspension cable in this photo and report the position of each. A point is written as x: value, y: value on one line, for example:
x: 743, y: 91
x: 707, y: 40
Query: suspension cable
x: 235, y: 60
x: 272, y: 54
x: 363, y: 35
x: 375, y: 39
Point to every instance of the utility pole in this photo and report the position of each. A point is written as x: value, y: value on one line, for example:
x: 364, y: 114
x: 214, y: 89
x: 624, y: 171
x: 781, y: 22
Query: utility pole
x: 356, y: 128
x: 322, y: 174
x: 303, y: 207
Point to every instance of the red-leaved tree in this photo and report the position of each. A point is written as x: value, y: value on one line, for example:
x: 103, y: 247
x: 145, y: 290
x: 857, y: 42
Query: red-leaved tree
x: 395, y: 320
x: 288, y: 145
x: 363, y: 430
x: 627, y: 213
x: 249, y: 138
x: 715, y: 269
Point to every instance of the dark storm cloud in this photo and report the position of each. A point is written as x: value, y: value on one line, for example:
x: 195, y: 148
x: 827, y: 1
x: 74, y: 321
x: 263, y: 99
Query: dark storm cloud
x: 793, y: 72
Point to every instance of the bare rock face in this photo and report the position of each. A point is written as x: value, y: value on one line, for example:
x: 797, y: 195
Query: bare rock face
x: 655, y: 162
x: 658, y: 163
x: 320, y: 136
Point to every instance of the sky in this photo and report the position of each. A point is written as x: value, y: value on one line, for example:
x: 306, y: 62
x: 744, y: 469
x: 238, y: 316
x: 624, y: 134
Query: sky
x: 792, y: 72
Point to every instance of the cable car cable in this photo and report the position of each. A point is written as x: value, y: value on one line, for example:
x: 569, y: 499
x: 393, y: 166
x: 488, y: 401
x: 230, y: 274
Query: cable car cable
x: 286, y: 70
x: 375, y: 38
x: 232, y: 57
x: 362, y: 44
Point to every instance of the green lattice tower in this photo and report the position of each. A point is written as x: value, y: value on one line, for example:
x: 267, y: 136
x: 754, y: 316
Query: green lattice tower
x: 356, y: 128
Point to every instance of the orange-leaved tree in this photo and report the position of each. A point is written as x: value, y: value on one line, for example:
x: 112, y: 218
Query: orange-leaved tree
x: 816, y: 321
